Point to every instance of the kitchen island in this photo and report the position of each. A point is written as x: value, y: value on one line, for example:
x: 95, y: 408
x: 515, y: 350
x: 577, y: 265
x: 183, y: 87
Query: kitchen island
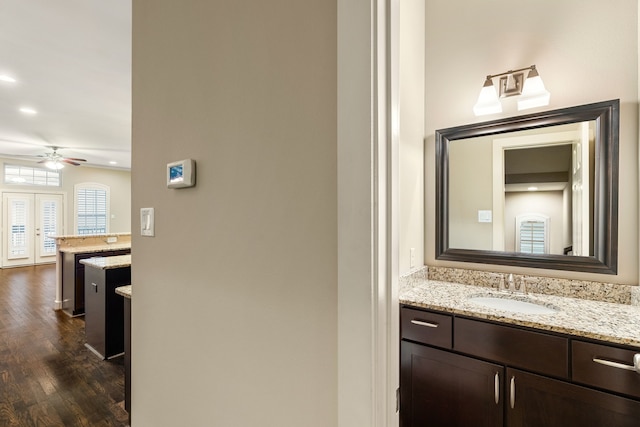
x: 104, y: 311
x: 125, y: 291
x: 70, y: 271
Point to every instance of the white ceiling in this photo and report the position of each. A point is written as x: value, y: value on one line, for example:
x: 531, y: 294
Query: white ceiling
x: 72, y: 63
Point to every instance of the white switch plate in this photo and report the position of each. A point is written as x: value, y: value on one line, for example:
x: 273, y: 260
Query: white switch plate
x: 112, y: 239
x: 485, y: 216
x: 147, y: 222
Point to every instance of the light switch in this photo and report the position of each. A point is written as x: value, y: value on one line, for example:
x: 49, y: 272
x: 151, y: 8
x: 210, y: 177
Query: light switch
x: 484, y: 216
x: 147, y: 222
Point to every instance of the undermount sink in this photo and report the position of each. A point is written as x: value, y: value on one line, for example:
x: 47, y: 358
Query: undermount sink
x: 512, y: 303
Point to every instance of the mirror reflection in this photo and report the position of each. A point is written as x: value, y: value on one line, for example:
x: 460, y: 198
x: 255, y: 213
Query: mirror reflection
x: 538, y: 190
x: 536, y: 196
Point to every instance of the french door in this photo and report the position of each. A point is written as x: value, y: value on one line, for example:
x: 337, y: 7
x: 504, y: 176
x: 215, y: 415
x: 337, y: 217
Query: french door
x: 29, y: 222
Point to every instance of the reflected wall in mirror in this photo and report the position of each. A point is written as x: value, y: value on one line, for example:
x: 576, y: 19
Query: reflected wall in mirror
x: 535, y: 191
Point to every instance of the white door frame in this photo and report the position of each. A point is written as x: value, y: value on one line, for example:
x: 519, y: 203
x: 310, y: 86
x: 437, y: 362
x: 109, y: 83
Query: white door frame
x: 368, y: 324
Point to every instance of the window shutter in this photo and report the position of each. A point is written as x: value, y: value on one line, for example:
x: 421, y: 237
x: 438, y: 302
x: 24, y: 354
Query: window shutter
x: 532, y: 235
x: 18, y: 240
x: 91, y: 204
x: 49, y: 227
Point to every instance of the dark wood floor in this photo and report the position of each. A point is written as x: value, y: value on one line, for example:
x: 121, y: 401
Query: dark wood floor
x: 47, y: 375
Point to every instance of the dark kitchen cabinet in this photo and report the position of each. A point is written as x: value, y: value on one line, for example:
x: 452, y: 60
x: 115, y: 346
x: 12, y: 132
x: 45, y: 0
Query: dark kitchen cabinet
x: 460, y: 371
x: 104, y: 315
x: 73, y: 279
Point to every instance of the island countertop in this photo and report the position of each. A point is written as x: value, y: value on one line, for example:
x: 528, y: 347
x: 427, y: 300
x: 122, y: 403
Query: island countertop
x: 95, y: 248
x: 125, y: 291
x: 605, y: 321
x: 108, y: 262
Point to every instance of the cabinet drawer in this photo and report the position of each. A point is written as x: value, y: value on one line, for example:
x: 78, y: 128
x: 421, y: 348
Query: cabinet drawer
x: 426, y: 327
x: 592, y: 366
x: 529, y: 350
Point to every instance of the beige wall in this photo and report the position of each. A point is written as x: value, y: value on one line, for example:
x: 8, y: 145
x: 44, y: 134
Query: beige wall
x: 235, y: 300
x: 118, y: 181
x: 586, y: 51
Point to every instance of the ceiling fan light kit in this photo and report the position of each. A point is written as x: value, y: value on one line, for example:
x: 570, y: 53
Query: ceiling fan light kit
x: 55, y: 160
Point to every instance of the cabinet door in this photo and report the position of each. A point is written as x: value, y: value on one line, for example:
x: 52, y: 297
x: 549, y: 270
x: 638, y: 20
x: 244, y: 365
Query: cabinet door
x: 536, y: 401
x: 442, y: 389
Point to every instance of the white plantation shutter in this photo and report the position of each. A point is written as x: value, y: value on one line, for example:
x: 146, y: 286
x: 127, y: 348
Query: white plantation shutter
x: 49, y: 227
x: 92, y: 209
x: 18, y: 243
x: 532, y: 234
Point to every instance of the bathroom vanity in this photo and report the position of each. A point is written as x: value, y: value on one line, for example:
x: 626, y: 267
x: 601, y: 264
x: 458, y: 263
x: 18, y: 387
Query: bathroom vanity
x: 467, y: 364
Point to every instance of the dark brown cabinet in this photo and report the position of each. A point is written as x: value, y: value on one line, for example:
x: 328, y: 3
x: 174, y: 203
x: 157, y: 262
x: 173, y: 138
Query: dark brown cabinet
x: 443, y: 389
x: 73, y: 279
x: 460, y: 372
x: 104, y: 317
x: 537, y: 401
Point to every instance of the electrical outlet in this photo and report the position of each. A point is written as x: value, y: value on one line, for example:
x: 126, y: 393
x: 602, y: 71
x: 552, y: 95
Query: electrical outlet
x: 112, y: 239
x: 412, y: 257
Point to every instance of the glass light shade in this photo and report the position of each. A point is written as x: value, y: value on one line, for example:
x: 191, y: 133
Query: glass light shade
x: 51, y: 164
x: 534, y: 93
x: 488, y: 101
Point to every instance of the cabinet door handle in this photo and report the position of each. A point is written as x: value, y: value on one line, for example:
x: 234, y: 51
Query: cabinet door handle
x: 94, y: 286
x: 635, y: 367
x: 512, y: 393
x: 496, y: 393
x: 423, y: 323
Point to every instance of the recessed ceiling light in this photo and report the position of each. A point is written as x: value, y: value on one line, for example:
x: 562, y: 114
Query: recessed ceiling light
x: 532, y: 188
x: 28, y: 110
x: 8, y: 79
x: 113, y: 162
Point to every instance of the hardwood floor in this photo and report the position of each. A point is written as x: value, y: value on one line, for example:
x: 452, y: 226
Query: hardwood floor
x: 47, y: 376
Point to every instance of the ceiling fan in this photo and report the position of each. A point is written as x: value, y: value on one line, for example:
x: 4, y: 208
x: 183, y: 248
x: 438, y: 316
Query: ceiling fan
x: 55, y: 160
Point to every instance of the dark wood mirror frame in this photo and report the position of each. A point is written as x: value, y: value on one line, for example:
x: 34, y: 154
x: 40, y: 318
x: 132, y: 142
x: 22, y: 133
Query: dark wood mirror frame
x: 605, y: 229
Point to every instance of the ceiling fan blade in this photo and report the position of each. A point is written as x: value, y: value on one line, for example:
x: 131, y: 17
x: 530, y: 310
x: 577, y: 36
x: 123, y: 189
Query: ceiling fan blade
x: 74, y: 159
x: 69, y: 161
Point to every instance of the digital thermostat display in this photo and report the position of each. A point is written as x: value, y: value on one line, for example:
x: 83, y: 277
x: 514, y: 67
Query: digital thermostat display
x: 181, y: 174
x: 176, y: 174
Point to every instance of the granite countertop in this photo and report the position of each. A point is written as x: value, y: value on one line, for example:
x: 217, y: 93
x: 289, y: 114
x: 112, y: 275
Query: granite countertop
x: 125, y: 291
x: 95, y: 248
x: 108, y: 262
x: 85, y: 236
x: 615, y: 323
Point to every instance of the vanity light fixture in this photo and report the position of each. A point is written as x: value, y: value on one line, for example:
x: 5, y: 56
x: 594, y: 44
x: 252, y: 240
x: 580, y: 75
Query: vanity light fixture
x: 513, y: 82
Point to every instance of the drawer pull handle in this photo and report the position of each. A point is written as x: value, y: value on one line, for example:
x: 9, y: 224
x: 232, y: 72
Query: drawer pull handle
x: 496, y: 395
x: 635, y: 367
x: 423, y: 323
x: 512, y: 392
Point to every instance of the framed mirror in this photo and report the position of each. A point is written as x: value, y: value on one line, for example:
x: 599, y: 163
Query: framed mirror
x: 539, y: 190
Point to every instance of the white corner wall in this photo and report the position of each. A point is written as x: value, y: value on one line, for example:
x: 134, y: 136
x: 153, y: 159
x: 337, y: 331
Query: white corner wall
x: 235, y: 298
x: 411, y: 134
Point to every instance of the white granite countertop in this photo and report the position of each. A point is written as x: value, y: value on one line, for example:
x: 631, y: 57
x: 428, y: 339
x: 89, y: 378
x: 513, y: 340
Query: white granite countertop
x: 125, y: 291
x: 615, y: 323
x: 108, y: 262
x: 95, y: 248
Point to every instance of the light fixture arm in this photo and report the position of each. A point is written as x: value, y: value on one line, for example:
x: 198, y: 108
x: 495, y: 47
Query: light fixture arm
x: 506, y: 73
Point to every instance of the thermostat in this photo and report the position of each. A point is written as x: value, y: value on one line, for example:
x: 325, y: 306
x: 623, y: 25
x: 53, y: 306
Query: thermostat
x: 181, y: 174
